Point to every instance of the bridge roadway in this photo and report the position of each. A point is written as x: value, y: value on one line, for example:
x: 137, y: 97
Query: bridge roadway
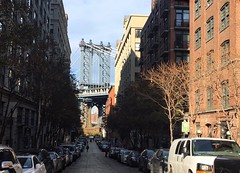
x: 94, y: 161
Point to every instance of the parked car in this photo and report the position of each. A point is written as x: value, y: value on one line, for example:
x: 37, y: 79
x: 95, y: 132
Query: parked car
x: 43, y: 155
x: 144, y: 157
x: 204, y: 155
x: 57, y: 161
x: 124, y: 155
x: 60, y: 151
x: 132, y: 158
x: 83, y: 140
x: 113, y: 152
x: 104, y: 146
x: 69, y: 156
x: 120, y: 153
x: 9, y: 161
x: 72, y: 149
x: 31, y: 164
x: 158, y: 162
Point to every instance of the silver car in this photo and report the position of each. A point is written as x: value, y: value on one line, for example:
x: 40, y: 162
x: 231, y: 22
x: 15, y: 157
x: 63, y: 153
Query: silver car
x: 31, y: 163
x: 9, y: 161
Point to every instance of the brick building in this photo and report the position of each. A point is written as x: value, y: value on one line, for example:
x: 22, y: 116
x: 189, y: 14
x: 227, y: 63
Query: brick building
x: 165, y: 36
x: 214, y: 68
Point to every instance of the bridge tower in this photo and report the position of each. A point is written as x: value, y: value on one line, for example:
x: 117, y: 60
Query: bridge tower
x: 88, y: 51
x: 94, y: 93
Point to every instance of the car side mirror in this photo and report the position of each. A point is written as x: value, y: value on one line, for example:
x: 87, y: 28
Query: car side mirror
x: 7, y: 164
x: 38, y: 165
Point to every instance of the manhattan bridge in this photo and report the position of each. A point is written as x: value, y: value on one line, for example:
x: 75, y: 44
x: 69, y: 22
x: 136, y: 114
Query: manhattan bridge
x: 95, y: 62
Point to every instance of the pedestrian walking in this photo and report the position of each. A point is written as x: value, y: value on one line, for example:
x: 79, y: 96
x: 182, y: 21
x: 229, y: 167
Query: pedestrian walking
x: 106, y: 151
x: 87, y: 147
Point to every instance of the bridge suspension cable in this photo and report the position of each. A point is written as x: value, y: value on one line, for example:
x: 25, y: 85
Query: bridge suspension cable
x: 104, y: 54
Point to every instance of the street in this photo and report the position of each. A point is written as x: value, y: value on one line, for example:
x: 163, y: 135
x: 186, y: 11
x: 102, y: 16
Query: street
x: 94, y: 161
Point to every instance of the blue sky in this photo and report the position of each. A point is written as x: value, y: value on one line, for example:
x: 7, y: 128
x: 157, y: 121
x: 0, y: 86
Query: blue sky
x: 98, y: 20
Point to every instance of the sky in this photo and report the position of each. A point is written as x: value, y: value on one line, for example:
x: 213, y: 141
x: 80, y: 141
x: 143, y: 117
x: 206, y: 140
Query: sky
x: 99, y: 21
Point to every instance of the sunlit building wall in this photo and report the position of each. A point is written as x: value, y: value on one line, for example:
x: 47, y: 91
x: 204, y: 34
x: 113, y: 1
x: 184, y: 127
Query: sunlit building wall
x: 214, y: 68
x: 128, y: 53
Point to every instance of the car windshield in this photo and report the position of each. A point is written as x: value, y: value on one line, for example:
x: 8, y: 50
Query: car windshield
x: 52, y: 155
x: 215, y: 147
x: 150, y: 153
x: 136, y: 154
x: 26, y: 162
x: 71, y: 148
x: 6, y: 155
x: 165, y: 154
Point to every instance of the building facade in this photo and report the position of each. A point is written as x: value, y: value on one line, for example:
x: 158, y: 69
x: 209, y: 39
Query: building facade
x: 165, y: 36
x: 18, y: 111
x: 214, y: 68
x: 59, y: 30
x: 127, y: 60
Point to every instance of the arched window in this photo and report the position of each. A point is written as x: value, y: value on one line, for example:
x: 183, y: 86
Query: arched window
x: 210, y: 28
x: 225, y: 52
x: 224, y: 12
x: 198, y: 38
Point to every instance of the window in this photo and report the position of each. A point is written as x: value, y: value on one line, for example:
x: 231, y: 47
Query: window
x: 188, y: 147
x: 209, y: 98
x: 198, y: 38
x: 197, y: 100
x: 137, y: 46
x: 182, y: 18
x: 27, y: 117
x: 198, y: 68
x: 210, y: 61
x: 29, y: 3
x: 198, y: 127
x: 210, y: 26
x: 182, y: 39
x: 138, y: 33
x: 197, y: 8
x: 225, y: 51
x: 19, y: 115
x: 180, y: 151
x: 35, y: 15
x: 178, y: 146
x: 209, y: 2
x: 225, y: 94
x: 224, y: 12
x: 32, y: 117
x: 21, y: 20
x: 182, y: 57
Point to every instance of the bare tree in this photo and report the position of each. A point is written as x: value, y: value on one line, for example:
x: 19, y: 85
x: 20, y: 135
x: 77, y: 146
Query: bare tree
x: 171, y: 82
x: 226, y: 86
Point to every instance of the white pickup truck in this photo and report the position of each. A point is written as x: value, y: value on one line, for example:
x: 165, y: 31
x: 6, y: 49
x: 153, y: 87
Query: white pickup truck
x: 204, y: 155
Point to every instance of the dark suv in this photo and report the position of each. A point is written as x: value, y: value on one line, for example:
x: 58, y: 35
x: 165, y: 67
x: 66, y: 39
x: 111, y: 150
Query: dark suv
x: 9, y: 161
